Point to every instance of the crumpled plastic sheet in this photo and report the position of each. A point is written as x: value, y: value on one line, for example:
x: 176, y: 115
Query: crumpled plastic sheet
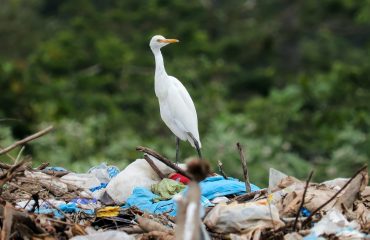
x: 111, y: 211
x: 218, y: 186
x: 101, y: 186
x: 334, y: 222
x: 142, y: 198
x: 66, y: 208
x: 166, y: 189
x: 103, y: 172
x: 28, y: 205
x: 211, y: 188
x: 56, y: 169
x: 84, y: 201
x: 106, y: 235
x: 248, y: 218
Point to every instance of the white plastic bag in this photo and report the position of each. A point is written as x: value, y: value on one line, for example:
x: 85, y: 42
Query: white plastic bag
x: 107, y: 235
x: 137, y: 174
x: 82, y: 180
x: 243, y: 217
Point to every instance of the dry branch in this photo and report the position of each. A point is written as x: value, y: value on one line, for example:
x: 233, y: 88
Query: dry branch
x: 309, y: 218
x: 219, y: 163
x: 149, y: 225
x: 7, y: 222
x: 12, y: 216
x: 25, y: 140
x: 163, y: 160
x: 155, y: 168
x: 248, y: 196
x: 9, y: 174
x: 43, y: 166
x: 245, y: 168
x: 303, y: 199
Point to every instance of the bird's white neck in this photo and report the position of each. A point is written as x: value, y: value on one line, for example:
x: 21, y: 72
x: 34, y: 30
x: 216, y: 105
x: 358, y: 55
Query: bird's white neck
x: 161, y: 77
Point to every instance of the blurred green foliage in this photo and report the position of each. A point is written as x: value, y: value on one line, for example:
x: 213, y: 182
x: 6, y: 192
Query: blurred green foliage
x: 289, y: 80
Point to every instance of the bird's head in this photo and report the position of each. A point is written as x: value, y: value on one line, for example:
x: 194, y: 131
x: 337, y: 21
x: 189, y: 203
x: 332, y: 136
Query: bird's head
x: 159, y: 41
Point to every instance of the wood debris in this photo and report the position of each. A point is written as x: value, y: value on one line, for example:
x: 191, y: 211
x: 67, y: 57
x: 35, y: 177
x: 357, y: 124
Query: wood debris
x: 288, y: 209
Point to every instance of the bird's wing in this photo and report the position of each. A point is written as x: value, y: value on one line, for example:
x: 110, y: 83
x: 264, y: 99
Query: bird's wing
x: 182, y: 107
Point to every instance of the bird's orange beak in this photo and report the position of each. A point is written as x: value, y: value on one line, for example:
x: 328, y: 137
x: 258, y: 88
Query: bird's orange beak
x: 168, y: 40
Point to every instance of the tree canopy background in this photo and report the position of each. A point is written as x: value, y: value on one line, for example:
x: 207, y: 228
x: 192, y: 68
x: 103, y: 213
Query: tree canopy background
x: 288, y: 79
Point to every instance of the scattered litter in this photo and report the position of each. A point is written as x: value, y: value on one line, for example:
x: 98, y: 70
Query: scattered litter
x: 137, y: 174
x: 139, y: 202
x: 335, y: 223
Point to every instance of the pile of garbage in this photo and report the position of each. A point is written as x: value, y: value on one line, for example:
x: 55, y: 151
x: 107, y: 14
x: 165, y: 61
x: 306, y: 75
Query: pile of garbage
x: 153, y: 198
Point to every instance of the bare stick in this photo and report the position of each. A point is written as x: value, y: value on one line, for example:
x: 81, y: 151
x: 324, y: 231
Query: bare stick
x: 5, y: 166
x: 248, y: 196
x: 155, y: 168
x: 9, y: 174
x: 27, y: 139
x: 245, y: 168
x: 19, y: 155
x: 309, y: 218
x: 302, y: 202
x: 8, y: 221
x: 221, y: 169
x: 149, y: 225
x: 163, y: 160
x: 20, y: 217
x: 42, y: 166
x: 10, y: 156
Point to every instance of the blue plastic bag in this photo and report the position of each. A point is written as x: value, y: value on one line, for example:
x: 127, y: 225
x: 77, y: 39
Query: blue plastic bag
x: 211, y: 188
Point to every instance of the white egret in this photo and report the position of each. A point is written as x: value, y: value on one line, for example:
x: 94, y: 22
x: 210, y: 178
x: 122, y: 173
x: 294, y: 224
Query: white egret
x: 176, y: 106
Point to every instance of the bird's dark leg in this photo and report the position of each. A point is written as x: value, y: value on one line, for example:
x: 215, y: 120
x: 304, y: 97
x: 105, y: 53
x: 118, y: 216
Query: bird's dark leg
x: 196, y: 145
x: 198, y: 149
x: 177, y: 149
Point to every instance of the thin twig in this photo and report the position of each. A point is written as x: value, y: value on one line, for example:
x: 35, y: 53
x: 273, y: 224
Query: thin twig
x: 19, y: 155
x: 9, y: 174
x: 42, y: 166
x: 163, y: 160
x: 27, y: 139
x: 221, y: 169
x: 303, y: 199
x: 155, y: 168
x: 5, y: 166
x: 245, y: 168
x: 10, y: 156
x: 309, y: 218
x: 6, y: 228
x: 248, y: 196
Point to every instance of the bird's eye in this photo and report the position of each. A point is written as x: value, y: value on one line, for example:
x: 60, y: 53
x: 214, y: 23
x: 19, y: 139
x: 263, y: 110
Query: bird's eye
x: 158, y: 40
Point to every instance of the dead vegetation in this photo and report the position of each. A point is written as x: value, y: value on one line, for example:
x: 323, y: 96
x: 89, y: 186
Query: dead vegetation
x: 288, y: 209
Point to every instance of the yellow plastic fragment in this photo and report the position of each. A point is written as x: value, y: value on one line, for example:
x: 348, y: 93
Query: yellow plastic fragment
x: 108, y: 212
